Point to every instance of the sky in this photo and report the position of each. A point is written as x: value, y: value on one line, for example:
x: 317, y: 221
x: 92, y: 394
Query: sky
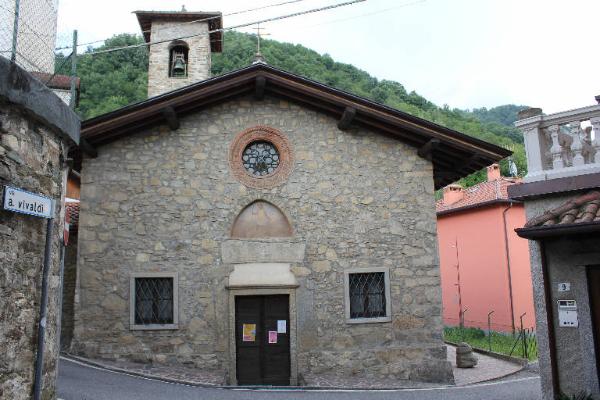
x: 463, y: 53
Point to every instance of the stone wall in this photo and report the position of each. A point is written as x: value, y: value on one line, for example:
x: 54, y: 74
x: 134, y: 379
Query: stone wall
x: 566, y: 260
x: 165, y: 201
x: 68, y: 293
x: 29, y: 159
x: 35, y: 129
x: 198, y: 57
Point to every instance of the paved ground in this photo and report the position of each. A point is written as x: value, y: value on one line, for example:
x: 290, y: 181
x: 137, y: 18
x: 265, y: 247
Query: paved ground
x: 488, y: 368
x: 81, y: 382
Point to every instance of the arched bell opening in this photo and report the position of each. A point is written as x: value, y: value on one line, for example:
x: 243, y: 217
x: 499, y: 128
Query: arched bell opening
x: 178, y: 59
x: 261, y: 219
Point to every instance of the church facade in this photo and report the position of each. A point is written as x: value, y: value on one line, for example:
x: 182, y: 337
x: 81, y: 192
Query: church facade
x: 267, y: 228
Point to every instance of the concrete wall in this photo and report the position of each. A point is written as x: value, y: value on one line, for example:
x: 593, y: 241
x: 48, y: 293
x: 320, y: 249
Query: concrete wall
x: 198, y: 57
x: 165, y: 201
x: 484, y: 279
x: 566, y: 261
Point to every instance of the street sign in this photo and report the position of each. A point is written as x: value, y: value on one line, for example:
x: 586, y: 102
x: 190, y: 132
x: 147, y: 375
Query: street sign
x: 21, y: 201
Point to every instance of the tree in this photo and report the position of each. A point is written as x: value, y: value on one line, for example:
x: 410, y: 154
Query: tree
x: 113, y: 80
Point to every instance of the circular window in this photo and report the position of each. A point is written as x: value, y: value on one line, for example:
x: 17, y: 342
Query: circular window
x: 261, y: 157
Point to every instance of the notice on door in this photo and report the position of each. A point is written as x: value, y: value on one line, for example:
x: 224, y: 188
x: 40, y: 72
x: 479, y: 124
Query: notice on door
x: 281, y: 326
x: 248, y: 332
x: 272, y: 337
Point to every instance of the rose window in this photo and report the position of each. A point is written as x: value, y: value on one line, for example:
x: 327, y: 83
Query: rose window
x: 260, y: 158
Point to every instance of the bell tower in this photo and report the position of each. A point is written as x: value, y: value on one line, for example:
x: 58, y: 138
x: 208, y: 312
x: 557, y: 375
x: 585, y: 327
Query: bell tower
x: 181, y: 43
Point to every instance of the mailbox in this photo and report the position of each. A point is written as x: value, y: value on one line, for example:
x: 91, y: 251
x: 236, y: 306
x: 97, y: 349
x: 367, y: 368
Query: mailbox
x: 567, y: 313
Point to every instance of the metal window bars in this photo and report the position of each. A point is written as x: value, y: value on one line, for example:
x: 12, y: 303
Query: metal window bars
x: 153, y: 301
x: 367, y: 295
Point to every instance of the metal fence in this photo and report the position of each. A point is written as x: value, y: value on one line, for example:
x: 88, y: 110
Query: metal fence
x: 518, y: 341
x: 28, y: 33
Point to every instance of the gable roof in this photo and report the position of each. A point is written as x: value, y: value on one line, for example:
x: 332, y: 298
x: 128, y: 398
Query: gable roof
x: 576, y: 216
x: 482, y: 194
x: 214, y: 20
x: 454, y: 154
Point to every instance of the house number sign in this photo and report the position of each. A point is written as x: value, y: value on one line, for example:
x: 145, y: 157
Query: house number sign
x: 23, y: 202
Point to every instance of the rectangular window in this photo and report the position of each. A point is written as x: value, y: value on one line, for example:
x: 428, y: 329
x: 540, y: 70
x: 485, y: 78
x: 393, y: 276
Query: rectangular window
x: 154, y: 301
x: 367, y: 295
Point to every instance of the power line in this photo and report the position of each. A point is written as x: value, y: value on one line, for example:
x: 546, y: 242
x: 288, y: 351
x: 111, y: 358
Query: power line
x: 296, y: 14
x: 197, y: 20
x: 367, y: 14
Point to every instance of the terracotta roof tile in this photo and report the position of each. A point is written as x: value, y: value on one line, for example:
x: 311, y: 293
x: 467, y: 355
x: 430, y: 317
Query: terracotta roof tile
x: 579, y: 210
x: 481, y: 193
x: 72, y: 208
x: 57, y: 82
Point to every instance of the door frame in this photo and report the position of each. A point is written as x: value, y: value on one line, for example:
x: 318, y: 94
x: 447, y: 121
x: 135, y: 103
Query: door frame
x: 291, y: 292
x: 594, y: 323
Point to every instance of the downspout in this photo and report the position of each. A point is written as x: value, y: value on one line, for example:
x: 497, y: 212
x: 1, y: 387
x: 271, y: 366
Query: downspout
x: 507, y: 254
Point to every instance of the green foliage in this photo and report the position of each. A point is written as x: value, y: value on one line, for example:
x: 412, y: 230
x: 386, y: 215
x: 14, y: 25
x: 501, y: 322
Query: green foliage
x: 113, y: 80
x: 503, y: 115
x: 501, y: 343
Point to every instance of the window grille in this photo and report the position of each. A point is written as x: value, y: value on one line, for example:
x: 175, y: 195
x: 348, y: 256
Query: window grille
x: 367, y: 295
x: 153, y: 301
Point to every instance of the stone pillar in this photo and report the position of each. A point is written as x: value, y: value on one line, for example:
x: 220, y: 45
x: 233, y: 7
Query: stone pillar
x: 528, y: 123
x: 36, y: 128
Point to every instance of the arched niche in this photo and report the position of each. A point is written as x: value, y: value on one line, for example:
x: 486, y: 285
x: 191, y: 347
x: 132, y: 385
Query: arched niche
x: 178, y: 59
x: 261, y: 219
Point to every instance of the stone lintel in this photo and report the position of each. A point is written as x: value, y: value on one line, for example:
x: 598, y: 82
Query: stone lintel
x: 262, y: 251
x: 262, y: 275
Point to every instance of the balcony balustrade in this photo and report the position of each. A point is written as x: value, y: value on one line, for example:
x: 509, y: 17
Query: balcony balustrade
x: 561, y: 144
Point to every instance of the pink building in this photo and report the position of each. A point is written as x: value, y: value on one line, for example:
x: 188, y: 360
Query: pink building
x: 484, y: 264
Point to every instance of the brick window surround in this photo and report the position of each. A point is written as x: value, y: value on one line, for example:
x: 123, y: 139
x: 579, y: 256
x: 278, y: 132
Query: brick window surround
x: 261, y: 133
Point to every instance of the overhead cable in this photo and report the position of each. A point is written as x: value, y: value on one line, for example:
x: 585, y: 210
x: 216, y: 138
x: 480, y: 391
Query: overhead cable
x: 296, y: 14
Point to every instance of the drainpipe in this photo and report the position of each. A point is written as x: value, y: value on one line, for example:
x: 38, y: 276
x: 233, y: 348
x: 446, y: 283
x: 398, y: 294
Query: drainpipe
x: 507, y: 254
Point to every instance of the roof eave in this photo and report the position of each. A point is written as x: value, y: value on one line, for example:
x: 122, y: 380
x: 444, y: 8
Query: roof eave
x: 552, y: 231
x: 216, y: 38
x: 455, y: 146
x: 475, y: 206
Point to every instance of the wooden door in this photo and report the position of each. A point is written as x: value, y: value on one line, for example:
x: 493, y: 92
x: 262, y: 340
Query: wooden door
x: 593, y: 275
x: 262, y: 350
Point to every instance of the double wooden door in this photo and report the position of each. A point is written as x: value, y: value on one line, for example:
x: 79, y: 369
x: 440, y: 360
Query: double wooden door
x: 262, y: 340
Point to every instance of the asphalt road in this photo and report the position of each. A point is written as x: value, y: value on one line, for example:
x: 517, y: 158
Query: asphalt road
x: 80, y: 382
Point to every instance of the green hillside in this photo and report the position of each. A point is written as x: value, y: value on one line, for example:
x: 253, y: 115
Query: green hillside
x: 113, y: 80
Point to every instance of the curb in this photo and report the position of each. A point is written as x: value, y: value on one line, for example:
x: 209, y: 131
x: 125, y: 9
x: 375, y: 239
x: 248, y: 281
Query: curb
x: 85, y: 361
x: 516, y: 360
x: 81, y: 360
x: 523, y: 363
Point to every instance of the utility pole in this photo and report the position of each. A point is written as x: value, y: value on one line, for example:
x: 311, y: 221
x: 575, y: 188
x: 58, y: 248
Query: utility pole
x: 13, y: 55
x: 73, y: 99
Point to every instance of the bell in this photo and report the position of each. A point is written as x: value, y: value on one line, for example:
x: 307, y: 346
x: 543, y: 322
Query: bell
x: 179, y: 67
